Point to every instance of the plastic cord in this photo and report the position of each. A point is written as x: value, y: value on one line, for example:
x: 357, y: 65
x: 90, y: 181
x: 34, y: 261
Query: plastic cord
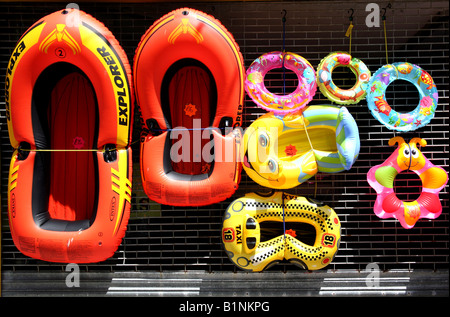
x: 349, y: 35
x: 385, y: 41
x: 350, y: 45
x: 312, y: 148
x: 62, y: 150
x: 307, y: 134
x: 284, y: 54
x: 284, y: 222
x: 75, y: 150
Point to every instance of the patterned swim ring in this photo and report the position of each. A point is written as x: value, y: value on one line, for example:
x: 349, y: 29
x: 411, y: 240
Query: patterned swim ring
x: 383, y: 112
x: 281, y: 104
x: 329, y: 89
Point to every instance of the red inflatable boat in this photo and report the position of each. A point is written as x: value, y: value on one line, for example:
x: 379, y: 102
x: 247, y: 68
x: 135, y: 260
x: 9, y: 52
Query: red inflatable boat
x: 189, y: 81
x: 69, y: 109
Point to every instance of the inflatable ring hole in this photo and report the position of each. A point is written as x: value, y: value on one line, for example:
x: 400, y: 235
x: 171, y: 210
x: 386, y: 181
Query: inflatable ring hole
x: 273, y: 80
x: 185, y: 12
x: 407, y: 186
x: 343, y: 77
x: 304, y: 232
x: 402, y: 96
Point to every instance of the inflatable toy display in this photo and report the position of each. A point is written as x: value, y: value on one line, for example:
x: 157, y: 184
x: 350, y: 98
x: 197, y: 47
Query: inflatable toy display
x: 189, y: 81
x: 329, y: 88
x: 302, y: 231
x: 383, y: 112
x: 284, y: 151
x: 381, y: 178
x: 281, y: 104
x: 69, y: 108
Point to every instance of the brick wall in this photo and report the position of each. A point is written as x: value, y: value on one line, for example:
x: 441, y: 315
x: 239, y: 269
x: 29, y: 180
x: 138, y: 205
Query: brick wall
x: 173, y: 238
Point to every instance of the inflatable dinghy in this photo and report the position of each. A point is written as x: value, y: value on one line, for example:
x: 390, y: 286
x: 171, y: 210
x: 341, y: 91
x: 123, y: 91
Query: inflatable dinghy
x: 69, y: 109
x: 189, y: 81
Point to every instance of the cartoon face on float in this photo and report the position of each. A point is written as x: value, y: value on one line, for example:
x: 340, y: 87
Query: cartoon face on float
x: 409, y: 156
x: 260, y: 160
x: 271, y: 158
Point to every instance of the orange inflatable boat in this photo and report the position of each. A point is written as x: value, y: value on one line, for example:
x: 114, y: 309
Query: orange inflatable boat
x: 189, y: 81
x: 69, y: 109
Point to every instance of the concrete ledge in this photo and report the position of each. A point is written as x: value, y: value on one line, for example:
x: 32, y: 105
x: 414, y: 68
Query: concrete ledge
x: 201, y: 284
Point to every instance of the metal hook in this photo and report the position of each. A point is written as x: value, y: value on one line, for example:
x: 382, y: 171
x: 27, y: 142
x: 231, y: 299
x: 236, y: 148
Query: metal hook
x: 284, y: 15
x: 351, y: 15
x: 384, y: 10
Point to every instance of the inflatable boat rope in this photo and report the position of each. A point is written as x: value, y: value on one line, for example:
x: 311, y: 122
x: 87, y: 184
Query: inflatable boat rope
x: 105, y: 149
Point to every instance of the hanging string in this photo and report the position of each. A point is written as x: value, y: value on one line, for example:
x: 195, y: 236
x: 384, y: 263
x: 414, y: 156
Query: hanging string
x: 114, y: 149
x: 384, y: 28
x: 283, y: 20
x: 284, y: 222
x: 61, y: 150
x: 74, y: 150
x: 315, y: 186
x: 312, y: 148
x: 385, y: 40
x: 348, y: 33
x: 186, y: 129
x: 307, y: 134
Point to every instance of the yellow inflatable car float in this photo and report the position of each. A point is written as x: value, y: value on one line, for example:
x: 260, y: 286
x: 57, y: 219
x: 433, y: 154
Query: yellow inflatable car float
x: 282, y: 152
x: 261, y: 231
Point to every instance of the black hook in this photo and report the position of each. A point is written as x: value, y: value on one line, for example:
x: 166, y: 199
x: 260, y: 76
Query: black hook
x: 384, y: 10
x: 284, y: 15
x: 351, y: 15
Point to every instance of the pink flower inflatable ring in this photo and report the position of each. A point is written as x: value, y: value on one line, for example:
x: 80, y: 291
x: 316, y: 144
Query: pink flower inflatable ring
x: 381, y: 178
